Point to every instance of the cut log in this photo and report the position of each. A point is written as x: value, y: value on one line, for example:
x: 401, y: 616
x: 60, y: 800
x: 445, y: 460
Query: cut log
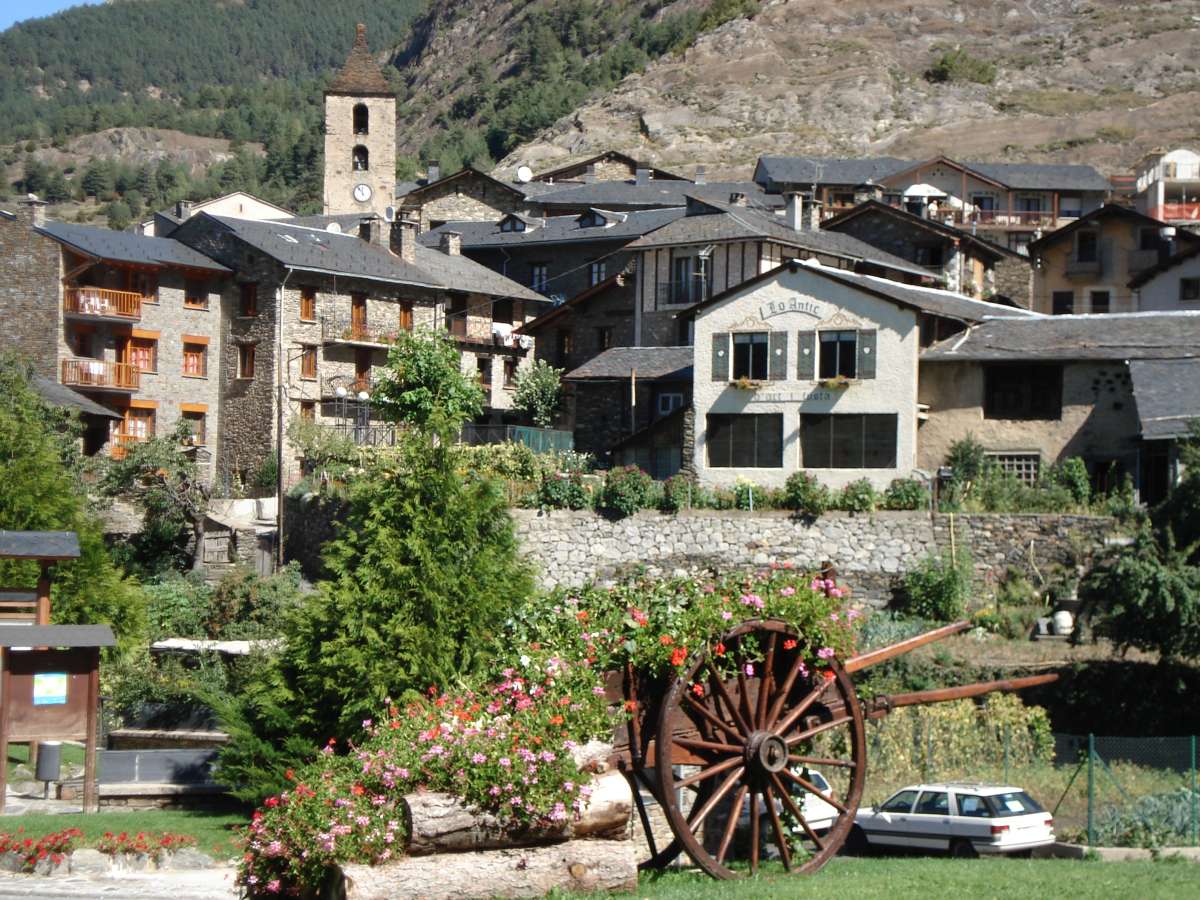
x: 440, y: 823
x: 581, y: 866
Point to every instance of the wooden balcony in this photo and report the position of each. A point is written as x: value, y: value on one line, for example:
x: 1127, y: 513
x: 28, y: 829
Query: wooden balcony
x: 102, y: 303
x: 119, y: 444
x: 343, y: 331
x: 100, y: 375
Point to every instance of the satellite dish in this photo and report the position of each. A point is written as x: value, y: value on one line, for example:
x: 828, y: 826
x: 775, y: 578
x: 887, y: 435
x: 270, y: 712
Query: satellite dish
x: 524, y: 174
x: 333, y: 228
x: 389, y: 214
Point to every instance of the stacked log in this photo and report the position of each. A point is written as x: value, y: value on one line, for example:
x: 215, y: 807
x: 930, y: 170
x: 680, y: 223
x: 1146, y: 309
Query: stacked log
x: 457, y: 852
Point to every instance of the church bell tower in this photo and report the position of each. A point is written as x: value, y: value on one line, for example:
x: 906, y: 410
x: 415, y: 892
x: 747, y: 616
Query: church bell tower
x: 360, y: 136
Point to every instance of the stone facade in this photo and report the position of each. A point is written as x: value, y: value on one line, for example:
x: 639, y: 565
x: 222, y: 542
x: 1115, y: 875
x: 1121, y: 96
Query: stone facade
x: 468, y: 196
x: 31, y: 279
x: 379, y: 142
x: 1014, y: 279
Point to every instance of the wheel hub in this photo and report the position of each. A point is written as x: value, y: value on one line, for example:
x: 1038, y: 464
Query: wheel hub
x: 766, y: 752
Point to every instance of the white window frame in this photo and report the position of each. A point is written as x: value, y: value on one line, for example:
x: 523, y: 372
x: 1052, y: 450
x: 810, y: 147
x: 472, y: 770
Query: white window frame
x: 673, y: 400
x: 1018, y: 463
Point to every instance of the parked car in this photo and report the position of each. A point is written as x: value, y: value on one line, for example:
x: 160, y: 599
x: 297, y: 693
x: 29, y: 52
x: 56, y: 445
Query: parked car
x: 962, y: 818
x: 817, y: 812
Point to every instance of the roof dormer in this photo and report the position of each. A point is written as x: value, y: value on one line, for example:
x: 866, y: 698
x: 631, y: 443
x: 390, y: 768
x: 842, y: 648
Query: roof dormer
x: 513, y: 222
x: 600, y: 218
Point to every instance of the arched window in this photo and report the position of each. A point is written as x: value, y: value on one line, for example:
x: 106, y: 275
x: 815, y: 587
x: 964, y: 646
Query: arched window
x: 362, y: 119
x: 361, y: 159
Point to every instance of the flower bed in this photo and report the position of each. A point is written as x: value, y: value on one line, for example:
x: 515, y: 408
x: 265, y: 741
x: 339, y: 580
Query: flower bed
x: 504, y: 746
x: 23, y: 853
x: 54, y: 853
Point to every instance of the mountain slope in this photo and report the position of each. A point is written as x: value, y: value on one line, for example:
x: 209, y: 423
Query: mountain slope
x: 1100, y: 81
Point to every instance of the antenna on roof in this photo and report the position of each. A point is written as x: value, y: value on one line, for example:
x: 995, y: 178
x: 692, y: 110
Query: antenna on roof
x: 524, y: 174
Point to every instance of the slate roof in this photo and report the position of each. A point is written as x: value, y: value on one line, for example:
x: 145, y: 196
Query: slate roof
x: 61, y: 395
x: 360, y: 74
x: 555, y: 230
x: 1042, y: 176
x: 50, y: 545
x: 651, y: 364
x: 607, y: 154
x: 127, y: 247
x: 467, y: 172
x: 1166, y: 396
x: 580, y: 299
x: 805, y: 171
x: 56, y: 636
x: 653, y: 194
x: 739, y: 223
x: 1168, y: 263
x: 877, y: 208
x: 1115, y: 336
x: 1107, y: 210
x: 316, y: 250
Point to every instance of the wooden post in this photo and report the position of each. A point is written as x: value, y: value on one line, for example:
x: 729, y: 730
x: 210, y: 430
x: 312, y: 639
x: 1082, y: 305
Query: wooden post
x: 91, y: 800
x: 5, y: 706
x: 43, y: 596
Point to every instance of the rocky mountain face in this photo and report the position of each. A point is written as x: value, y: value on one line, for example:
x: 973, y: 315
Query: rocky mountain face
x: 1097, y: 81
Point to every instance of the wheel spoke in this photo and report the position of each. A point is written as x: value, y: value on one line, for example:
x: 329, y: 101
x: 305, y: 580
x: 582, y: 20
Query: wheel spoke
x: 716, y: 769
x: 724, y: 726
x: 796, y: 712
x: 698, y: 816
x: 754, y: 835
x: 714, y: 678
x: 812, y: 789
x: 821, y: 761
x: 784, y: 851
x: 786, y: 797
x: 731, y: 825
x: 766, y: 682
x: 712, y: 746
x: 817, y: 729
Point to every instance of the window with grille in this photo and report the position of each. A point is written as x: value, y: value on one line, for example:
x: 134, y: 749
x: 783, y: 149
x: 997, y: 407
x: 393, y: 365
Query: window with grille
x: 195, y: 360
x: 848, y: 441
x: 1025, y: 466
x: 308, y: 304
x: 308, y: 362
x: 839, y: 354
x: 750, y: 353
x: 751, y: 441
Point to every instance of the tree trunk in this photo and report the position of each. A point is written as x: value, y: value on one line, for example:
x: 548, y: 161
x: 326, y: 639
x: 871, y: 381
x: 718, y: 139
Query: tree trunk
x: 198, y: 537
x: 440, y: 823
x: 578, y: 866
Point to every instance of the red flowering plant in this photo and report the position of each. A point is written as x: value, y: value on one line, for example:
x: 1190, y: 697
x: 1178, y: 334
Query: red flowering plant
x: 55, y: 847
x: 152, y: 844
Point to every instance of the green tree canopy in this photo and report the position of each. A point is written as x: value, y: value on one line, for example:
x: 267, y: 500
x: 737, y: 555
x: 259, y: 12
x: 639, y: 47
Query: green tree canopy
x: 539, y: 392
x: 425, y: 386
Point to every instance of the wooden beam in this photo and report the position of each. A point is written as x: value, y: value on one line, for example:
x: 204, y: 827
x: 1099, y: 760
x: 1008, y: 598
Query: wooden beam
x: 881, y: 706
x: 874, y: 657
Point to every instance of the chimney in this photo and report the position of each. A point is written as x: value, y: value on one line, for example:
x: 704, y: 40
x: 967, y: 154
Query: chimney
x: 794, y: 210
x: 737, y: 198
x: 33, y: 210
x: 642, y: 176
x: 451, y: 243
x: 183, y: 210
x: 404, y: 240
x: 375, y: 230
x: 701, y: 175
x: 811, y: 217
x: 433, y: 171
x: 589, y: 174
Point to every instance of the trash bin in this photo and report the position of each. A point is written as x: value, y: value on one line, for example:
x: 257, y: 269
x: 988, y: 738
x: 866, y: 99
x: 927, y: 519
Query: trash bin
x: 49, y: 761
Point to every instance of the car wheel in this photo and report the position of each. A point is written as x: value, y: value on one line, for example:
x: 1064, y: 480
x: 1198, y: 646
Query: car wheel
x: 962, y: 849
x: 856, y: 842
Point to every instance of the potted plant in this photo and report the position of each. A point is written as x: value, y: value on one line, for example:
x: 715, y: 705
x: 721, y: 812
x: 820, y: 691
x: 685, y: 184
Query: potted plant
x: 837, y: 383
x: 745, y: 384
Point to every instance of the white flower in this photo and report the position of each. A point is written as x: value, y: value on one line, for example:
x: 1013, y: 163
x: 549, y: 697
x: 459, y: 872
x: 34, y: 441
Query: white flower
x: 524, y: 660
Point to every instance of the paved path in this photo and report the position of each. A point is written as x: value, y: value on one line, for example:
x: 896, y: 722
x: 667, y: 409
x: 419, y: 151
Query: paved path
x: 195, y: 884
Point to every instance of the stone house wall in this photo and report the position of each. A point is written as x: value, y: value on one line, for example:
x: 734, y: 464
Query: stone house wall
x: 1014, y: 279
x: 465, y: 199
x: 28, y: 287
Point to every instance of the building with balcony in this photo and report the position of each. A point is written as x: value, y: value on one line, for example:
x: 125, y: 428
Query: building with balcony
x: 1088, y: 266
x: 1009, y: 203
x: 1167, y: 187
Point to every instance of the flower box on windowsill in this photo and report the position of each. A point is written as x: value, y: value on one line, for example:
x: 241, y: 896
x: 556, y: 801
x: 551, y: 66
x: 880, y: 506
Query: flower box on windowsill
x: 837, y: 384
x: 745, y: 384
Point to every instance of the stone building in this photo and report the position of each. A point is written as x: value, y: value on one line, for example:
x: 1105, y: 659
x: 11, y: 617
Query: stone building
x: 129, y: 321
x: 962, y: 261
x: 360, y: 137
x: 611, y: 165
x: 466, y: 196
x: 1087, y: 266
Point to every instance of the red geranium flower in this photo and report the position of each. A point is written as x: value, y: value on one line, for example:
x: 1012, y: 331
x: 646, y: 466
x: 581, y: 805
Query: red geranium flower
x: 679, y: 656
x: 789, y: 644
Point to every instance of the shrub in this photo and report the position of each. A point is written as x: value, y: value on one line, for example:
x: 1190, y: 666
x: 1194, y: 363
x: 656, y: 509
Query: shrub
x: 858, y: 496
x: 559, y: 491
x: 626, y: 490
x: 1071, y: 475
x: 906, y: 493
x: 539, y: 392
x: 676, y: 494
x: 806, y: 495
x: 938, y: 587
x: 958, y: 65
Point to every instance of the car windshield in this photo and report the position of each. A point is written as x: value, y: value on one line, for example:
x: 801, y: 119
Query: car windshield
x: 1013, y: 803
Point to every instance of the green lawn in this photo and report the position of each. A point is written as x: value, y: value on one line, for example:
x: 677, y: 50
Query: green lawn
x: 18, y: 754
x: 213, y: 831
x: 930, y: 878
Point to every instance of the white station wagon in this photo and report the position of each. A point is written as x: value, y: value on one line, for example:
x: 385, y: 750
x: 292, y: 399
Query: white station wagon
x: 960, y: 817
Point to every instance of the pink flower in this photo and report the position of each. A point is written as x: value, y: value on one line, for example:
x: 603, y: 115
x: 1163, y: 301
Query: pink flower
x: 826, y: 653
x: 478, y: 758
x: 749, y: 669
x: 366, y: 723
x: 274, y: 886
x: 787, y: 592
x: 504, y: 761
x: 835, y: 592
x: 726, y: 615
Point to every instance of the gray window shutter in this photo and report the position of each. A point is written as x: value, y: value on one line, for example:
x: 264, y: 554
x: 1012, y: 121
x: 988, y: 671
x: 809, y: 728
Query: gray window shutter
x: 777, y: 350
x: 720, y: 356
x: 806, y: 355
x: 866, y: 354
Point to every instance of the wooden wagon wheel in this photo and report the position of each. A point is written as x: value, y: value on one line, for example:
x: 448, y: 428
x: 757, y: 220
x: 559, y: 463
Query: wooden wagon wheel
x: 752, y: 730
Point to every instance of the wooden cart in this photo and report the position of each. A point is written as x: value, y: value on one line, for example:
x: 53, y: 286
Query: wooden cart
x: 711, y: 746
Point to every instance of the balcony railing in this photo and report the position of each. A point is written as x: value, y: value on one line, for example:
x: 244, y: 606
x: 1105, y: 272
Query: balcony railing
x: 97, y: 374
x: 343, y: 331
x: 1176, y: 211
x: 119, y: 444
x: 539, y: 440
x: 372, y: 435
x: 1082, y: 267
x: 351, y: 384
x: 682, y: 293
x: 102, y: 302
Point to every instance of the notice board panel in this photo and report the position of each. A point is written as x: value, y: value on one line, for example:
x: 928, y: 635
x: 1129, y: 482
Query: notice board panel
x: 48, y: 693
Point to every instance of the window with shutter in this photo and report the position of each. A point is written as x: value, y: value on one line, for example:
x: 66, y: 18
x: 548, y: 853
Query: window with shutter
x: 867, y: 341
x: 720, y: 356
x: 777, y: 365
